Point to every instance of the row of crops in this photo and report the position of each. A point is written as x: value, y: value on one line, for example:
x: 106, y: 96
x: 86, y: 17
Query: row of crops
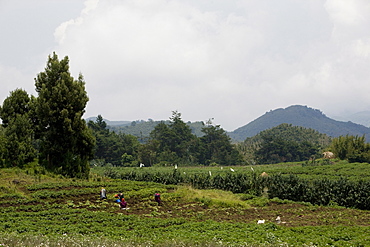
x: 320, y: 191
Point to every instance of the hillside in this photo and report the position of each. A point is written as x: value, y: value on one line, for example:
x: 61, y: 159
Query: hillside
x: 299, y: 116
x: 362, y: 118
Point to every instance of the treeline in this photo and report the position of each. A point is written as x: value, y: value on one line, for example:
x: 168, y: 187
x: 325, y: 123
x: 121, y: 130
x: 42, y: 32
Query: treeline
x: 341, y: 192
x: 169, y: 142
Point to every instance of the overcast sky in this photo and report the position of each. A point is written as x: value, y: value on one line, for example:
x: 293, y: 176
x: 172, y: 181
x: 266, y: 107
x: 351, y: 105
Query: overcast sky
x: 229, y: 60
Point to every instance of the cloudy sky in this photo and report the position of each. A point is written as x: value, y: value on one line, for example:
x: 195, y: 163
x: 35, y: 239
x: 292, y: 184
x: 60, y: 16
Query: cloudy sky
x: 229, y: 60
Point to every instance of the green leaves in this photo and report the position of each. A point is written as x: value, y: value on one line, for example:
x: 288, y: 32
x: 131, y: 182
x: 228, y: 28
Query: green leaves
x: 66, y: 141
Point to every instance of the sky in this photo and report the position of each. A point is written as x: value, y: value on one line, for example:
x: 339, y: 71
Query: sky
x: 231, y: 61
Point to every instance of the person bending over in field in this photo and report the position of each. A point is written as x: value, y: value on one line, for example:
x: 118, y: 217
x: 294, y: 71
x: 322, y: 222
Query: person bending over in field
x: 119, y: 197
x: 157, y: 198
x: 123, y: 204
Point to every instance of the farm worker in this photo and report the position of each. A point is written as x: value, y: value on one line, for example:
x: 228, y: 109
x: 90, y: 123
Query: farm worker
x: 157, y: 198
x: 123, y: 204
x: 119, y: 196
x: 103, y: 193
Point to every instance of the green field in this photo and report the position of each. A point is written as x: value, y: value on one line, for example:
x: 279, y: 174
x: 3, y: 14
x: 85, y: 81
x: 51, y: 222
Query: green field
x: 39, y: 209
x: 319, y: 169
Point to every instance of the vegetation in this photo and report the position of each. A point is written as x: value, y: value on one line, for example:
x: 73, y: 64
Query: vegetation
x: 169, y: 142
x: 49, y: 126
x: 340, y: 191
x: 66, y: 142
x: 41, y: 210
x: 17, y: 129
x: 116, y: 149
x: 284, y: 143
x: 351, y: 148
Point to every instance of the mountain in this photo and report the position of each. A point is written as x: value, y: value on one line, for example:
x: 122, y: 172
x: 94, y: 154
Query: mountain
x: 303, y: 116
x: 362, y: 118
x: 110, y: 123
x: 142, y: 129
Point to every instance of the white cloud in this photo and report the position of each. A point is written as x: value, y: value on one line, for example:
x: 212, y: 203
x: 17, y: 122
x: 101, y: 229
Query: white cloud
x: 228, y: 60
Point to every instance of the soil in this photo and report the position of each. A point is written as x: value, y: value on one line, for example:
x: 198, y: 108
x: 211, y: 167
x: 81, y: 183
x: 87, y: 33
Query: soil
x: 291, y: 214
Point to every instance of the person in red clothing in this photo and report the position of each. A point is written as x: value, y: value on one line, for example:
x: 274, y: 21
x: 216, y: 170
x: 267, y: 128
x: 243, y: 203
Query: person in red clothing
x: 123, y: 204
x: 157, y: 198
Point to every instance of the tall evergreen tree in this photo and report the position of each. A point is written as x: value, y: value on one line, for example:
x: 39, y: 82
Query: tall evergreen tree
x: 66, y: 141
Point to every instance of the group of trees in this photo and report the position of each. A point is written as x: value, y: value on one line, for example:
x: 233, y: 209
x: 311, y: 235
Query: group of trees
x: 49, y: 126
x: 170, y: 142
x: 351, y: 148
x: 284, y: 143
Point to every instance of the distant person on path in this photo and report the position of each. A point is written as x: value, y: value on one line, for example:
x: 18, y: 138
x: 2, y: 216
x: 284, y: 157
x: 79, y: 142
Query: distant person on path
x: 103, y: 193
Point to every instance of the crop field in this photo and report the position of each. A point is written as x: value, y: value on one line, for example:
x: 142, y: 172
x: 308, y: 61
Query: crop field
x: 44, y: 210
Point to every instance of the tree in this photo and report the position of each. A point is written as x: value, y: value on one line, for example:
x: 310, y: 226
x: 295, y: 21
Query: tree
x: 66, y: 141
x: 18, y: 129
x: 353, y: 148
x: 173, y: 142
x: 216, y: 147
x: 117, y: 149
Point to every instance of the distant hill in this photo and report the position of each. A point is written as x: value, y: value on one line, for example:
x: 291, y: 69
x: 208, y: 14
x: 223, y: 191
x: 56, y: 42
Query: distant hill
x: 142, y: 129
x: 110, y: 123
x: 362, y: 118
x: 303, y: 116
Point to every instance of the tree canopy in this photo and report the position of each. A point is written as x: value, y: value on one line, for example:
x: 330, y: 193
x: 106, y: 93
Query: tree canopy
x: 66, y: 142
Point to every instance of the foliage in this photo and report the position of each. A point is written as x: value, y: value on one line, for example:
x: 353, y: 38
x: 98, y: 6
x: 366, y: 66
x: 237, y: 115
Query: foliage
x: 67, y: 212
x: 316, y: 189
x: 216, y: 147
x: 116, y: 149
x: 18, y: 133
x: 66, y: 142
x: 352, y: 148
x: 284, y: 143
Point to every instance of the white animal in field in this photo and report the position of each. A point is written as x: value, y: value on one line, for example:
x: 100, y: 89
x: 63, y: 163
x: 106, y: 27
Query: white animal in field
x: 261, y: 222
x: 278, y: 220
x: 231, y: 169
